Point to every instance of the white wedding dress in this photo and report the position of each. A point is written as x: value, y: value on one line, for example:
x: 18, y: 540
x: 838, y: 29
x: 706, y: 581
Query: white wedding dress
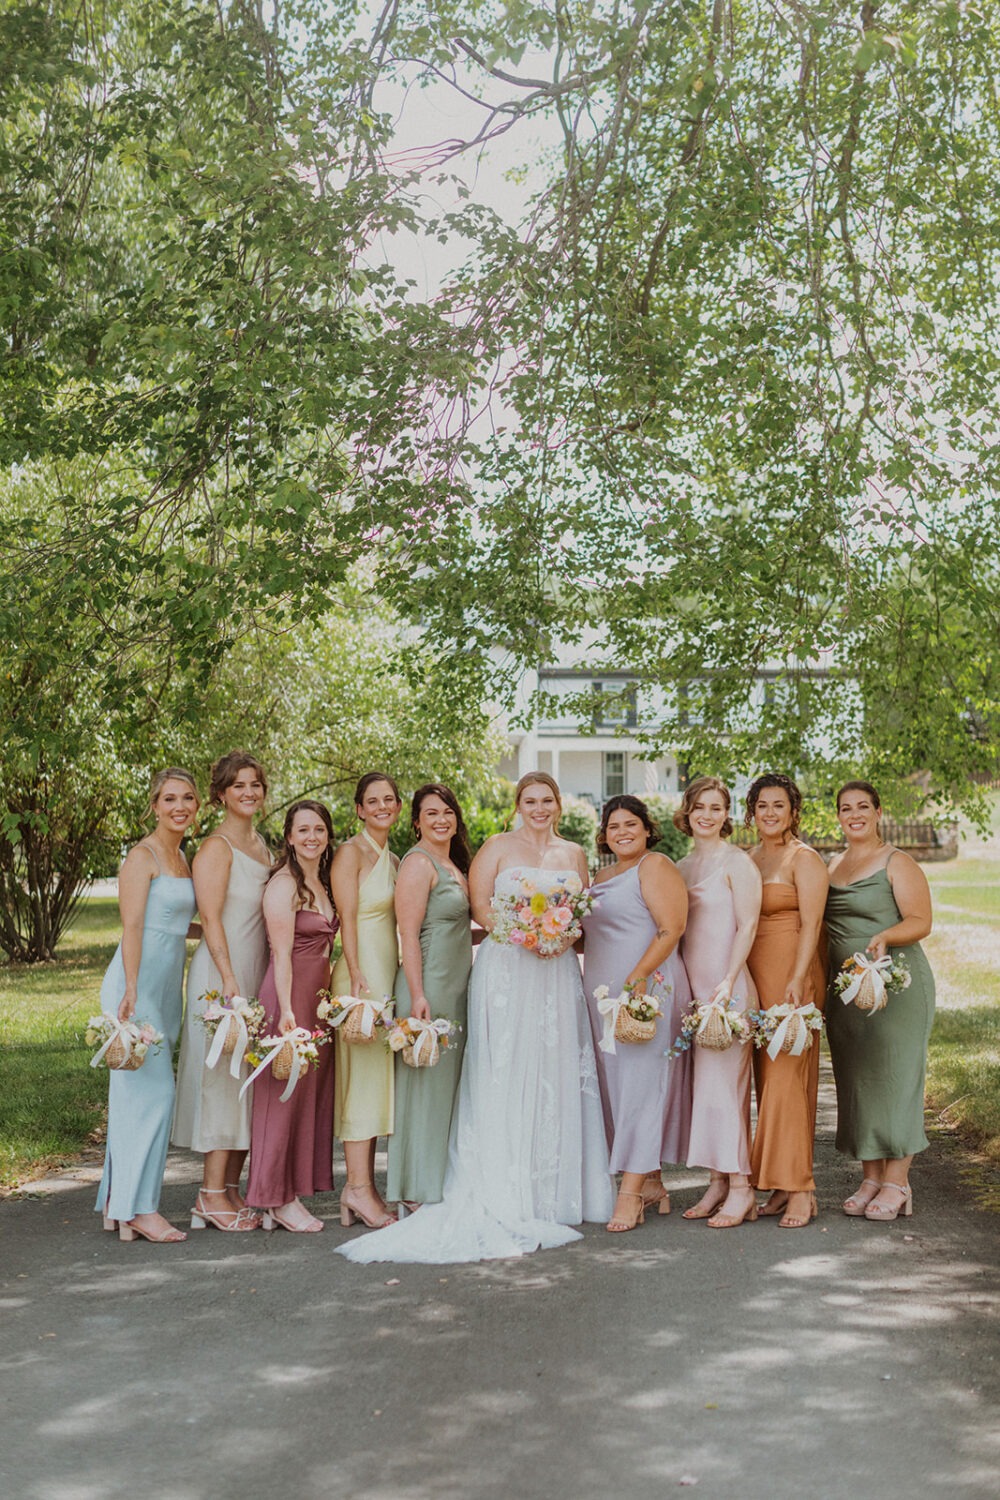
x: 528, y: 1155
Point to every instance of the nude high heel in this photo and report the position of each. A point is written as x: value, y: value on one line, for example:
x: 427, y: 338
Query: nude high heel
x: 349, y: 1211
x: 880, y: 1212
x: 127, y: 1232
x: 618, y: 1224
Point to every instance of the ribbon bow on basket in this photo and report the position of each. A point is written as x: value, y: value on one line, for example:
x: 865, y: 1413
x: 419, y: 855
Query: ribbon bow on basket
x: 284, y: 1063
x: 231, y: 1038
x: 791, y: 1035
x: 866, y: 987
x: 118, y: 1052
x: 714, y: 1031
x: 426, y: 1048
x: 358, y: 1017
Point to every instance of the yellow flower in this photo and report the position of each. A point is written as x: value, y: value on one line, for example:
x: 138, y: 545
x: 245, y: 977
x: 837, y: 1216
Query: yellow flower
x: 538, y: 904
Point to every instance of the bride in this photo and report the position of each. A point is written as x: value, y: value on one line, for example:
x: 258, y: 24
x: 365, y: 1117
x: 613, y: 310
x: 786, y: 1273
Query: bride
x: 528, y: 1155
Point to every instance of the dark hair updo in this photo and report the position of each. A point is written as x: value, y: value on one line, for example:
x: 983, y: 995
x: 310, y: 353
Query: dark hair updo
x: 781, y: 783
x: 625, y: 802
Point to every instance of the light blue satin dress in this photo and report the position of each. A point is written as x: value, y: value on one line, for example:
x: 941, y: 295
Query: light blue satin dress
x: 141, y: 1104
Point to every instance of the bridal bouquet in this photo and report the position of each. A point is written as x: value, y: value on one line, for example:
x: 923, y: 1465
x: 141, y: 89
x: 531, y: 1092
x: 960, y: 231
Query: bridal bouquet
x: 628, y: 1017
x: 290, y: 1057
x: 787, y: 1028
x: 869, y: 982
x: 358, y: 1019
x: 539, y: 921
x: 421, y: 1043
x: 714, y: 1026
x: 122, y: 1045
x: 233, y: 1025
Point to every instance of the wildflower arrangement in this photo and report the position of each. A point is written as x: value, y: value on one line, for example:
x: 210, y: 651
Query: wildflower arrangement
x: 868, y: 982
x: 358, y: 1018
x: 122, y: 1045
x: 540, y: 921
x: 714, y: 1026
x: 786, y: 1028
x: 233, y: 1024
x: 420, y: 1043
x: 289, y: 1057
x: 628, y: 1016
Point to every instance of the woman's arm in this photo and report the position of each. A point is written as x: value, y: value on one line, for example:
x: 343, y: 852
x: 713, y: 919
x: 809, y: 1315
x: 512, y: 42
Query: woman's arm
x: 482, y: 878
x: 279, y: 919
x: 134, y: 879
x: 811, y: 884
x: 210, y: 871
x: 912, y: 895
x: 345, y: 881
x: 665, y: 894
x: 745, y: 884
x: 417, y: 878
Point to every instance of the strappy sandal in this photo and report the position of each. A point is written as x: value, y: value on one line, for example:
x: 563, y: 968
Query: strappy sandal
x: 617, y: 1224
x: 881, y: 1212
x: 855, y: 1205
x: 789, y: 1220
x: 653, y: 1191
x: 229, y: 1220
x: 775, y: 1205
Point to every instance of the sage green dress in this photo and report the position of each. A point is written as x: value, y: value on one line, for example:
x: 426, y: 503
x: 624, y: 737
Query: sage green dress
x: 879, y: 1057
x: 425, y: 1097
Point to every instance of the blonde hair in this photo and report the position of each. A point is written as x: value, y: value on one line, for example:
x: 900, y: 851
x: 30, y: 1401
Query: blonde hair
x: 682, y: 817
x: 159, y: 781
x: 542, y: 778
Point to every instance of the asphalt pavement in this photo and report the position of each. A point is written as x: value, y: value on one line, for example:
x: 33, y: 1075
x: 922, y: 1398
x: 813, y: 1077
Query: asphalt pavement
x: 846, y: 1359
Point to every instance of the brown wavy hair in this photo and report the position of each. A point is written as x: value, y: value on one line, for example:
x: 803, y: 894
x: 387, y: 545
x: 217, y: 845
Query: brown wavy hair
x: 287, y: 859
x: 694, y: 789
x: 781, y: 783
x: 225, y: 771
x: 458, y: 852
x: 625, y: 802
x: 860, y: 786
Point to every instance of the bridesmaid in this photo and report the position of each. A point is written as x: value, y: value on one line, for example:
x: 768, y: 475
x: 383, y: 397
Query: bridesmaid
x: 364, y: 879
x: 230, y: 872
x: 880, y: 902
x: 633, y: 931
x: 724, y: 891
x: 787, y: 970
x: 292, y: 1143
x: 144, y: 979
x: 432, y: 910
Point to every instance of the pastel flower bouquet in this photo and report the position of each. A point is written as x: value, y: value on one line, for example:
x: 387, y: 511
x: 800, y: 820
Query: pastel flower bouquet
x: 787, y: 1028
x: 421, y: 1043
x: 359, y: 1019
x: 628, y: 1016
x: 234, y: 1025
x: 713, y: 1026
x: 538, y: 921
x: 290, y: 1057
x: 122, y: 1045
x: 868, y: 982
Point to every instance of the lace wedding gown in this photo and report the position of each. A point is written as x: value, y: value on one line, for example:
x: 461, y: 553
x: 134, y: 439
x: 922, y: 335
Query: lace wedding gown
x: 528, y: 1155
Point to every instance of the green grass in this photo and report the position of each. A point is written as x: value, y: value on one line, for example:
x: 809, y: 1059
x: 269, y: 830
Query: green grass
x: 51, y: 1103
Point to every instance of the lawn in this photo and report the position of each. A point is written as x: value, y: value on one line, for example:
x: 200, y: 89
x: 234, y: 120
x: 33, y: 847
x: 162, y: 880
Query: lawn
x: 52, y: 1104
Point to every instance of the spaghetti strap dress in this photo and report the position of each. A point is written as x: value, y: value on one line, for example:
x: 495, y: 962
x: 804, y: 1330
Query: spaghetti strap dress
x: 879, y: 1057
x: 363, y: 1098
x: 720, y: 1107
x: 141, y: 1103
x: 787, y: 1087
x: 291, y: 1148
x: 425, y: 1097
x: 209, y: 1114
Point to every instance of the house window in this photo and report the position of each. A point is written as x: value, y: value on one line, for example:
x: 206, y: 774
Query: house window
x: 623, y: 712
x: 614, y: 773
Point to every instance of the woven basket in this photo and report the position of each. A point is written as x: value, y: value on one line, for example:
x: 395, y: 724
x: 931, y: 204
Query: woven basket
x: 429, y: 1055
x: 231, y: 1037
x: 868, y: 997
x: 793, y: 1031
x: 716, y: 1035
x: 628, y: 1029
x: 350, y: 1029
x: 281, y: 1062
x: 116, y: 1059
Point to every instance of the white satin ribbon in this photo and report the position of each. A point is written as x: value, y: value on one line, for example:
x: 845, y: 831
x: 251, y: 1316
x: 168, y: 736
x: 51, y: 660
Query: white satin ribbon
x: 372, y: 1010
x: 781, y: 1031
x: 300, y: 1034
x: 426, y: 1032
x: 874, y: 967
x: 125, y: 1031
x: 705, y: 1011
x: 229, y: 1017
x: 609, y: 1007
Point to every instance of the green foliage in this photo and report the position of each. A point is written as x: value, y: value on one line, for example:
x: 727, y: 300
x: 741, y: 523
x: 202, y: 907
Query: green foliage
x: 578, y: 823
x: 672, y: 842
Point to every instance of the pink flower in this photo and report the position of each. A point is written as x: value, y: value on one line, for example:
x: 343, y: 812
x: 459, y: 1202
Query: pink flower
x: 517, y: 937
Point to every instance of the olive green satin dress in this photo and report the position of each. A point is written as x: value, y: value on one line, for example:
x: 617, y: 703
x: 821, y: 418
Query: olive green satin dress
x: 879, y: 1057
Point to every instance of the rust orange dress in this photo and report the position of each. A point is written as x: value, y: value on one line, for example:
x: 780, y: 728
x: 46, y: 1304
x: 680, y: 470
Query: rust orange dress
x: 782, y: 1152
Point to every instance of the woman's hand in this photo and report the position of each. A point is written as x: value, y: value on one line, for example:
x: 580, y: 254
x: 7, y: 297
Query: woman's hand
x: 565, y: 944
x: 286, y: 1023
x: 419, y: 1008
x: 722, y: 994
x: 877, y: 946
x: 229, y: 986
x: 126, y: 1009
x: 637, y: 983
x: 794, y: 992
x: 359, y: 984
